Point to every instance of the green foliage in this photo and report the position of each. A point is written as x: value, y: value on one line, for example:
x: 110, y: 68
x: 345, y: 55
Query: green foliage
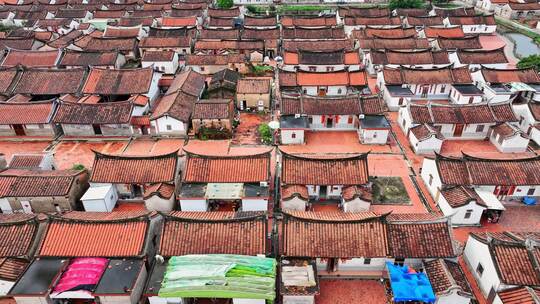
x: 225, y: 3
x: 214, y: 133
x: 77, y: 167
x: 266, y: 133
x: 393, y: 4
x: 260, y: 69
x: 532, y: 61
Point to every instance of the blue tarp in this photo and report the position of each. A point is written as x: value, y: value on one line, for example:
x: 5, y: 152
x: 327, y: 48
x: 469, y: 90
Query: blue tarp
x: 528, y: 200
x: 407, y: 286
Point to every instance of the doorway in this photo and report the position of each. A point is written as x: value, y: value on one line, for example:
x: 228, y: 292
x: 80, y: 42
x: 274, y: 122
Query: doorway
x: 19, y: 130
x: 458, y: 130
x: 243, y: 106
x: 27, y: 208
x: 97, y: 130
x: 329, y: 122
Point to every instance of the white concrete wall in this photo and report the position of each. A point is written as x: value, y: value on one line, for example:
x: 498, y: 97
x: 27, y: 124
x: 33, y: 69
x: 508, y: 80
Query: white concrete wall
x: 429, y: 167
x: 374, y: 136
x: 177, y: 127
x: 330, y: 90
x: 193, y: 205
x: 478, y: 253
x: 254, y: 204
x: 458, y: 214
x: 340, y: 122
x: 356, y: 205
x: 452, y: 298
x: 513, y: 144
x: 156, y: 203
x: 294, y: 203
x: 287, y: 136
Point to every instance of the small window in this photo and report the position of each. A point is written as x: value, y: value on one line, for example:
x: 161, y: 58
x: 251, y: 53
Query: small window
x: 305, y: 91
x: 399, y: 261
x: 202, y: 68
x: 468, y: 213
x: 339, y: 91
x: 430, y: 179
x: 531, y: 191
x: 293, y: 135
x: 310, y: 119
x: 480, y: 128
x: 367, y: 261
x: 312, y: 69
x: 169, y: 127
x: 375, y: 135
x: 479, y: 269
x: 329, y: 69
x: 400, y: 102
x: 443, y: 88
x: 41, y: 126
x: 471, y: 99
x: 350, y: 119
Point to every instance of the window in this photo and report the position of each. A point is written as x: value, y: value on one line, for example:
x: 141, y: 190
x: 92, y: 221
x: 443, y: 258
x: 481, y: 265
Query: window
x: 367, y: 261
x: 479, y: 128
x: 430, y: 179
x: 169, y: 127
x: 400, y: 102
x: 202, y: 69
x: 305, y: 91
x: 350, y: 119
x: 339, y: 91
x: 479, y: 269
x: 313, y: 69
x: 329, y: 69
x: 57, y: 208
x: 531, y: 191
x: 310, y: 120
x: 41, y: 126
x: 375, y: 135
x: 443, y: 88
x: 293, y: 135
x: 521, y: 118
x: 471, y: 99
x: 468, y: 213
x: 399, y: 261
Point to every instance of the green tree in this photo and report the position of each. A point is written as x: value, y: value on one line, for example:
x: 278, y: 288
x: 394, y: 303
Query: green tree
x: 532, y: 61
x: 393, y: 4
x: 225, y: 3
x: 77, y: 167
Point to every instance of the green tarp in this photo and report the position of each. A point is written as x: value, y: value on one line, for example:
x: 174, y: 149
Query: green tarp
x: 219, y: 276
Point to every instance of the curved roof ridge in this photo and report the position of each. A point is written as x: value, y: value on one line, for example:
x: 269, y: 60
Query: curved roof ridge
x: 476, y: 158
x: 372, y: 216
x: 236, y: 217
x: 193, y: 154
x: 113, y: 156
x: 306, y: 157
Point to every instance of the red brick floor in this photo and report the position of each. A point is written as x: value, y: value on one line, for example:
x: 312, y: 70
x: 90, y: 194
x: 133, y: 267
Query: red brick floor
x: 338, y: 142
x: 246, y: 132
x: 68, y: 153
x: 8, y: 148
x: 481, y: 148
x: 351, y: 292
x: 145, y: 146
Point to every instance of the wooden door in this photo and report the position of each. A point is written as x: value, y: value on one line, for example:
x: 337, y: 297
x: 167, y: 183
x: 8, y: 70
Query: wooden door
x: 458, y: 130
x: 19, y: 130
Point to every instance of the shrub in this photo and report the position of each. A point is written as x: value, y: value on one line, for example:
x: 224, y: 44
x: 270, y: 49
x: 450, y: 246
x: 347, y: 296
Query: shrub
x: 225, y: 3
x: 266, y: 133
x: 78, y: 167
x: 393, y: 4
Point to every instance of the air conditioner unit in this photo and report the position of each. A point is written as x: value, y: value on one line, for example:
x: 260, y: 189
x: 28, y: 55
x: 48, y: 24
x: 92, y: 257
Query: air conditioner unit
x: 361, y: 116
x: 264, y: 184
x: 296, y: 115
x: 404, y: 86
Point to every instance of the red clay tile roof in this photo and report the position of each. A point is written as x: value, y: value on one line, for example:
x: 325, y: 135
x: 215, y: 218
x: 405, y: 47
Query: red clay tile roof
x: 106, y: 14
x: 464, y: 114
x: 321, y: 58
x: 105, y: 81
x: 17, y: 234
x: 458, y: 11
x: 134, y: 21
x: 73, y: 58
x: 394, y: 43
x: 262, y: 34
x: 418, y: 12
x: 313, y: 33
x: 423, y: 239
x: 291, y: 191
x: 308, y: 21
x: 165, y: 42
x: 339, y: 105
x: 26, y: 161
x: 417, y: 57
x: 444, y: 75
x: 154, y: 56
x: 17, y: 43
x: 482, y: 56
x: 387, y: 32
x: 382, y: 20
x: 363, y: 12
x: 472, y: 20
x: 11, y: 269
x: 252, y: 45
x: 469, y: 170
x: 213, y: 233
x: 351, y: 192
x: 213, y: 109
x: 121, y: 31
x: 532, y: 6
x: 328, y: 170
x: 446, y: 276
x: 50, y: 82
x: 215, y: 59
x: 253, y: 86
x: 360, y: 235
x: 179, y: 21
x: 461, y: 196
x: 519, y: 295
x: 318, y: 45
x: 469, y: 42
x: 177, y: 12
x: 534, y: 107
x: 227, y: 169
x: 515, y: 264
x: 425, y: 131
x: 424, y: 20
x: 7, y: 78
x: 111, y: 44
x: 163, y: 190
x: 95, y: 114
x: 446, y: 32
x: 37, y: 183
x: 180, y: 98
x: 257, y: 21
x: 12, y: 113
x: 96, y: 236
x: 510, y: 75
x: 134, y: 169
x: 220, y: 22
x: 30, y: 58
